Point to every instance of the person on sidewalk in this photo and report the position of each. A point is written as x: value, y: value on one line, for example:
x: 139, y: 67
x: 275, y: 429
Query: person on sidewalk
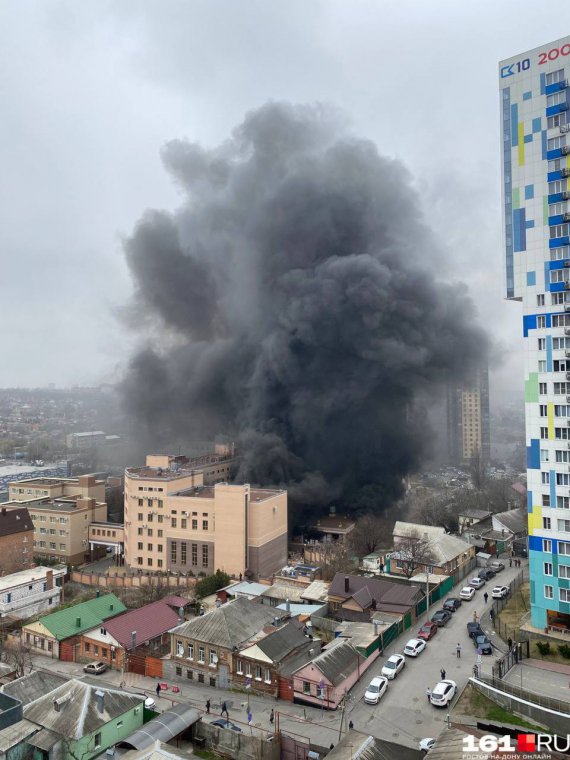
x: 428, y: 694
x: 225, y: 710
x: 511, y: 562
x: 158, y: 689
x: 350, y: 725
x: 208, y: 705
x: 510, y: 643
x: 474, y: 616
x: 458, y: 650
x: 442, y: 674
x: 271, y: 717
x: 486, y: 597
x: 492, y: 614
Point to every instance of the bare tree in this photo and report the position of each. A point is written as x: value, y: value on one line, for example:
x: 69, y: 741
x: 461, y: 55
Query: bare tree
x: 370, y: 533
x: 478, y: 471
x: 414, y: 552
x: 335, y: 558
x: 18, y: 655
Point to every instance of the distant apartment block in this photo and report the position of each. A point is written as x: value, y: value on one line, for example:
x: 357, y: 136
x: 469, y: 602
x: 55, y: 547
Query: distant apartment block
x: 16, y: 540
x: 87, y: 440
x: 62, y: 509
x: 468, y: 431
x: 175, y: 520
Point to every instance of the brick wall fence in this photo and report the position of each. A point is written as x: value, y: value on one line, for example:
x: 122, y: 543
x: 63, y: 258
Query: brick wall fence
x: 132, y: 580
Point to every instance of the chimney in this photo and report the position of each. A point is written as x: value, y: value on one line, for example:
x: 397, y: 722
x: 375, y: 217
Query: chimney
x: 287, y: 606
x: 78, y: 622
x: 133, y: 639
x: 111, y: 606
x: 97, y: 593
x: 100, y: 697
x: 49, y: 580
x: 346, y: 583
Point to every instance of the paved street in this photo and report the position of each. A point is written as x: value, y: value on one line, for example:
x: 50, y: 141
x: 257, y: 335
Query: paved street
x: 403, y: 715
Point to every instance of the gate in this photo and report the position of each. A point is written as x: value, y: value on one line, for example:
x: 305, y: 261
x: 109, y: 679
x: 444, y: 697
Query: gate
x: 67, y: 650
x: 223, y: 677
x: 136, y: 664
x: 153, y: 667
x: 520, y: 651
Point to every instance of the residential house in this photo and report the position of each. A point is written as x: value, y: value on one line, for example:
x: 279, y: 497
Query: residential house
x: 29, y: 592
x: 203, y: 649
x: 437, y: 552
x: 355, y: 597
x: 129, y: 640
x: 316, y: 592
x: 172, y: 725
x: 470, y: 517
x: 334, y: 528
x: 373, y: 563
x: 16, y: 540
x: 58, y: 634
x: 499, y: 533
x: 79, y: 720
x: 33, y: 685
x: 259, y: 664
x: 328, y: 677
x: 247, y: 589
x: 358, y: 745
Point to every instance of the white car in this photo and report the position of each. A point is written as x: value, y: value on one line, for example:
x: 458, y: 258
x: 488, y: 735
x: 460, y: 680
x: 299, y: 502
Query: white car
x: 477, y: 582
x: 414, y: 647
x: 393, y: 665
x: 442, y: 693
x: 426, y: 744
x: 499, y: 592
x: 149, y: 703
x: 467, y: 592
x: 376, y: 690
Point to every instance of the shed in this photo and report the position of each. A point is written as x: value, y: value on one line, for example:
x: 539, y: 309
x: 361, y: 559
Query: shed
x: 163, y: 728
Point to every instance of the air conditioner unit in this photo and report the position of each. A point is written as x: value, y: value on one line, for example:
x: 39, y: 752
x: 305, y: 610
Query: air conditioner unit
x: 568, y: 399
x: 564, y: 128
x: 565, y: 150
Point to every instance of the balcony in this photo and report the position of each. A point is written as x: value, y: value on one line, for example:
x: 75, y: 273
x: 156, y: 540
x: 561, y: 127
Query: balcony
x: 565, y: 150
x: 565, y: 172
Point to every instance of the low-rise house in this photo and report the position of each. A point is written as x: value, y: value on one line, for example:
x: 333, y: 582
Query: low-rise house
x: 334, y: 528
x: 16, y: 540
x: 129, y: 640
x: 29, y: 592
x: 355, y: 597
x: 246, y: 589
x: 259, y: 665
x: 470, y: 517
x: 429, y: 549
x: 79, y: 720
x: 203, y: 649
x: 58, y: 634
x: 316, y: 592
x: 373, y: 563
x: 357, y: 745
x: 326, y: 679
x: 33, y: 685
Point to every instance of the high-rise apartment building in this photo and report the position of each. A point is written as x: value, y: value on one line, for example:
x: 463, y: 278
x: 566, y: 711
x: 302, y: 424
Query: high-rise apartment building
x: 535, y: 136
x: 468, y: 433
x: 175, y: 520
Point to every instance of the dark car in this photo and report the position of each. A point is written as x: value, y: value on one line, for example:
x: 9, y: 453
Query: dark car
x: 226, y: 724
x: 474, y: 629
x: 427, y: 631
x: 483, y: 644
x: 441, y: 617
x: 486, y: 573
x: 452, y: 604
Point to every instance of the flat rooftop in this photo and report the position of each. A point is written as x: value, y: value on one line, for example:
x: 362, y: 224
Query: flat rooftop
x: 179, y: 469
x: 27, y: 576
x: 61, y: 504
x: 208, y: 492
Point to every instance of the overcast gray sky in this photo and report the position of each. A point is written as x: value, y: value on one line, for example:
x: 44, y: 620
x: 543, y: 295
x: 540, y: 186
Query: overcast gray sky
x: 92, y: 89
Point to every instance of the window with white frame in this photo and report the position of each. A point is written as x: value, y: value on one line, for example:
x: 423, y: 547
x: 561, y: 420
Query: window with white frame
x: 558, y: 120
x: 560, y: 253
x: 239, y: 667
x: 557, y: 275
x: 542, y: 365
x: 213, y: 658
x: 562, y: 502
x: 540, y: 299
x: 545, y: 500
x: 557, y: 186
x: 267, y: 675
x: 541, y: 321
x: 201, y: 653
x: 561, y: 410
x: 564, y: 548
x: 561, y: 388
x: 545, y: 477
x: 541, y: 342
x: 180, y: 648
x: 563, y: 525
x: 561, y: 434
x: 248, y: 669
x: 554, y: 209
x: 542, y: 389
x: 558, y: 231
x: 556, y: 98
x: 547, y: 545
x: 556, y: 142
x: 548, y: 568
x: 544, y: 455
x: 563, y: 571
x: 258, y: 672
x: 546, y: 523
x: 562, y: 478
x: 559, y: 343
x: 190, y: 651
x: 564, y: 594
x: 555, y: 76
x: 548, y: 592
x: 543, y: 410
x: 562, y: 455
x: 544, y: 433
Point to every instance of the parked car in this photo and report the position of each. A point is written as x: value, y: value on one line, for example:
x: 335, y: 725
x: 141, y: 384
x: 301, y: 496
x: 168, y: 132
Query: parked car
x: 94, y: 668
x: 499, y: 592
x: 482, y: 642
x: 226, y: 724
x: 393, y: 666
x: 486, y: 573
x: 452, y: 604
x: 149, y: 703
x: 496, y: 567
x: 442, y: 693
x: 477, y: 582
x: 426, y: 744
x: 427, y: 631
x: 414, y: 647
x: 376, y: 690
x: 474, y: 629
x: 467, y: 592
x: 441, y: 617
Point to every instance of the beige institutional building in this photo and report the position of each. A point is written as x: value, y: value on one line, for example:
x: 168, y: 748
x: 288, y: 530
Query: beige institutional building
x: 178, y: 518
x: 62, y: 509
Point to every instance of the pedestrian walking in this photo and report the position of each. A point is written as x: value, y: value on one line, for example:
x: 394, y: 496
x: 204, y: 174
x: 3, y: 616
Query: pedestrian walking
x: 158, y: 689
x: 428, y: 694
x: 271, y: 717
x: 510, y: 643
x: 208, y: 705
x: 486, y: 597
x: 350, y: 725
x: 511, y: 562
x: 458, y: 650
x: 442, y: 674
x: 225, y: 710
x: 476, y: 671
x: 474, y: 616
x: 492, y: 615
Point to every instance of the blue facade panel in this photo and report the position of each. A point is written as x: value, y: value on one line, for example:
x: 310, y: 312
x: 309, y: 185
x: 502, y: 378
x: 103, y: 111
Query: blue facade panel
x: 519, y: 229
x: 549, y: 359
x: 559, y: 242
x: 552, y: 265
x: 552, y: 176
x: 556, y: 219
x: 533, y: 455
x: 529, y: 323
x: 550, y: 88
x: 556, y: 153
x: 553, y: 110
x: 555, y: 198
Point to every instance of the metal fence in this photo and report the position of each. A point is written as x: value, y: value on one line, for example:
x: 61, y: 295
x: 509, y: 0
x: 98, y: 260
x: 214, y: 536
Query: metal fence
x: 506, y: 633
x: 550, y: 703
x: 518, y: 652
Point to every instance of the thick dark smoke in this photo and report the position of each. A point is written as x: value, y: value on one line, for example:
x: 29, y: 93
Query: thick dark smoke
x: 298, y: 309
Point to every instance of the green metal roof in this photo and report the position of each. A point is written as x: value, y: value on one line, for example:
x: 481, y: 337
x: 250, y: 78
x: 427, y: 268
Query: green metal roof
x: 63, y: 624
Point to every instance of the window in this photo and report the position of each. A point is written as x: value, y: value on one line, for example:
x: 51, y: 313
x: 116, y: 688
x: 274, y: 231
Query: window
x: 98, y: 739
x: 258, y: 672
x: 544, y: 433
x: 267, y: 675
x: 558, y: 299
x: 179, y: 648
x: 564, y: 548
x: 558, y: 186
x: 540, y: 299
x: 140, y: 546
x: 248, y: 669
x: 561, y: 434
x: 558, y: 120
x: 140, y: 516
x: 201, y: 654
x: 194, y: 524
x: 543, y: 410
x: 173, y: 551
x: 562, y: 502
x: 562, y: 456
x: 159, y: 548
x: 149, y: 518
x: 159, y: 563
x: 561, y: 410
x: 239, y: 667
x: 548, y: 592
x: 87, y: 647
x: 95, y: 649
x: 561, y: 388
x: 561, y: 320
x: 178, y: 670
x: 139, y: 560
x: 183, y: 522
x: 62, y: 547
x: 562, y: 479
x: 544, y: 455
x: 149, y: 562
x: 560, y: 343
x: 190, y: 651
x: 204, y: 556
x: 213, y: 658
x: 139, y: 531
x: 149, y: 547
x: 189, y: 674
x: 558, y: 231
x: 545, y: 476
x: 555, y: 76
x: 556, y: 208
x: 556, y: 98
x: 564, y: 594
x: 204, y: 525
x: 563, y: 571
x: 306, y: 687
x: 562, y: 251
x: 548, y: 568
x: 140, y: 502
x: 542, y: 388
x: 558, y: 275
x: 160, y: 518
x: 542, y: 365
x: 541, y: 318
x: 547, y: 545
x: 159, y: 533
x: 183, y: 553
x: 541, y: 344
x: 563, y: 525
x: 545, y: 500
x: 173, y: 522
x: 160, y: 502
x: 194, y: 555
x: 560, y: 366
x: 200, y: 678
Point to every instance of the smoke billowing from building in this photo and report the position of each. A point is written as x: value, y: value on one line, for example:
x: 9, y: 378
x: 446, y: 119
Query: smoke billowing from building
x: 298, y: 308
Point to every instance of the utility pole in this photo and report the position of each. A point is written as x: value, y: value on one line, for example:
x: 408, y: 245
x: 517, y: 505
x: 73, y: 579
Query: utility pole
x: 342, y: 716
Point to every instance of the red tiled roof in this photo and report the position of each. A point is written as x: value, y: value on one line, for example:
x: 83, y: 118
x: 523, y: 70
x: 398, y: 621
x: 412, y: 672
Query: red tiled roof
x: 176, y: 601
x: 149, y: 621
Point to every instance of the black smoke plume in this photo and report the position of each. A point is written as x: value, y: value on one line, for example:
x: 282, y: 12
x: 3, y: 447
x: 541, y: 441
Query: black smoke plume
x: 298, y: 309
